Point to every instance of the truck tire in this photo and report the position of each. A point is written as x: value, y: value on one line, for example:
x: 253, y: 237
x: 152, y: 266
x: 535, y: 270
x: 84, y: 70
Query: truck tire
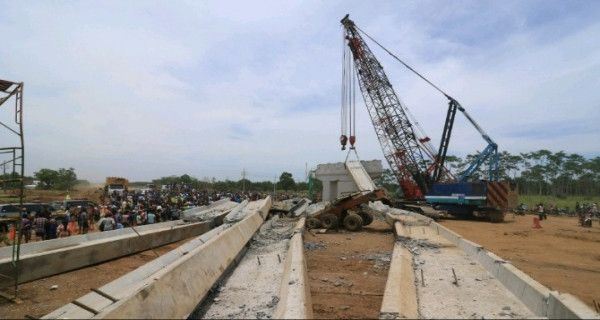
x: 329, y: 221
x: 495, y: 216
x: 367, y: 218
x: 313, y: 223
x: 353, y: 222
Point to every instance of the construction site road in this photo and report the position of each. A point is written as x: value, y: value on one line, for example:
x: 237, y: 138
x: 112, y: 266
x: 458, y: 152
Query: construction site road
x: 561, y: 255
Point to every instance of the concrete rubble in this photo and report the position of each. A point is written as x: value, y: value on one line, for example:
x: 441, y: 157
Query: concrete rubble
x: 46, y: 258
x: 252, y: 289
x: 210, y: 211
x: 173, y: 284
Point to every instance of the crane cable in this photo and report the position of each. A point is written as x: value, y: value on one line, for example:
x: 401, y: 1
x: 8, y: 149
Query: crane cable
x: 348, y: 101
x: 343, y: 102
x: 427, y: 145
x: 405, y: 64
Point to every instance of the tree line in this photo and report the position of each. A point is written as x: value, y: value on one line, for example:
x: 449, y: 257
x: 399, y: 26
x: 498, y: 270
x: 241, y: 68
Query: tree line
x: 286, y: 182
x: 541, y: 172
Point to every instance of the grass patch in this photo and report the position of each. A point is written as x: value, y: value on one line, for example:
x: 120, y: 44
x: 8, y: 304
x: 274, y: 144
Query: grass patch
x: 560, y: 202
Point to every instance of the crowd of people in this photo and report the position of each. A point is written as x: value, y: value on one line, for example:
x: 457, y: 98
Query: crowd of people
x: 122, y: 209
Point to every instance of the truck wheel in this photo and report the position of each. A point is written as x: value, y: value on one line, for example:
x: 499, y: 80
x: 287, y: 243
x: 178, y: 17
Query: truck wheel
x: 353, y: 222
x: 329, y: 221
x: 313, y: 223
x: 495, y: 216
x: 367, y: 218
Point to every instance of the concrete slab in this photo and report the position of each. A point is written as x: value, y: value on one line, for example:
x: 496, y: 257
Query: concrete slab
x: 174, y: 291
x: 400, y: 295
x: 566, y: 306
x: 252, y: 289
x: 120, y: 287
x: 360, y: 176
x: 173, y: 284
x: 209, y: 212
x: 294, y: 297
x: 61, y: 256
x: 530, y: 292
x: 48, y: 245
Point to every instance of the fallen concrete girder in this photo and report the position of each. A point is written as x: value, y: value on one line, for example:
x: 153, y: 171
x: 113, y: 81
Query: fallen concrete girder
x: 50, y: 257
x: 400, y: 295
x: 258, y: 284
x: 418, y: 232
x: 295, y: 298
x: 212, y: 211
x: 360, y: 176
x: 172, y: 285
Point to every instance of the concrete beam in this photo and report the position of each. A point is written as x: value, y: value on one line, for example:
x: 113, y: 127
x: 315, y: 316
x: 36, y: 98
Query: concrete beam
x: 294, y: 296
x: 566, y: 306
x: 538, y: 298
x: 46, y: 258
x: 360, y: 176
x: 172, y: 285
x: 400, y: 295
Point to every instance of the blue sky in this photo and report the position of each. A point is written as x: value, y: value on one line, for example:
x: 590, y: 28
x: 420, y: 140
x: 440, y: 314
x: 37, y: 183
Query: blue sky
x: 145, y: 89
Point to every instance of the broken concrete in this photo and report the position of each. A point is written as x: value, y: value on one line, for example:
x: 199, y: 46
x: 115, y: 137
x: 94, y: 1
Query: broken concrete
x: 400, y: 296
x: 252, y: 290
x: 295, y: 298
x: 360, y: 176
x: 46, y: 258
x: 540, y: 301
x: 209, y: 212
x: 172, y: 285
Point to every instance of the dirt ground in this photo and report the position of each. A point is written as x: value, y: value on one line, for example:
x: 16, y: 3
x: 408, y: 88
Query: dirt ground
x: 562, y: 255
x: 91, y: 192
x: 347, y: 271
x: 39, y: 300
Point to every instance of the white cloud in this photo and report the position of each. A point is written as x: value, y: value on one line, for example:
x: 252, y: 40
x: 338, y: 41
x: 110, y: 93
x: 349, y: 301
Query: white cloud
x: 208, y: 88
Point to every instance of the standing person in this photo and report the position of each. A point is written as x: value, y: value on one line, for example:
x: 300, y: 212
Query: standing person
x: 51, y: 229
x: 83, y: 221
x: 139, y: 218
x: 61, y: 231
x: 541, y: 211
x: 26, y: 227
x: 125, y: 219
x: 91, y: 213
x: 150, y: 217
x: 66, y: 218
x: 108, y: 223
x: 39, y: 225
x: 72, y: 225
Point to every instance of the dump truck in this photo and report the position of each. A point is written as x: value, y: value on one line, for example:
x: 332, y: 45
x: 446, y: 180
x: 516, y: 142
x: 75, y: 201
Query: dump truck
x: 115, y: 184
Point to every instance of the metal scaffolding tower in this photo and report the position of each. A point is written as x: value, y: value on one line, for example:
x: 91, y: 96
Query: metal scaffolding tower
x: 12, y: 157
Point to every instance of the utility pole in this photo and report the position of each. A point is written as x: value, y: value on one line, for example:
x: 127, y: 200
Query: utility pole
x: 244, y: 180
x: 274, y: 187
x: 306, y: 172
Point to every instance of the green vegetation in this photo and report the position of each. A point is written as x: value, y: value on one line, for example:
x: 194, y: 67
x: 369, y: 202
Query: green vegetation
x: 567, y: 202
x: 286, y: 183
x: 542, y: 172
x: 61, y: 179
